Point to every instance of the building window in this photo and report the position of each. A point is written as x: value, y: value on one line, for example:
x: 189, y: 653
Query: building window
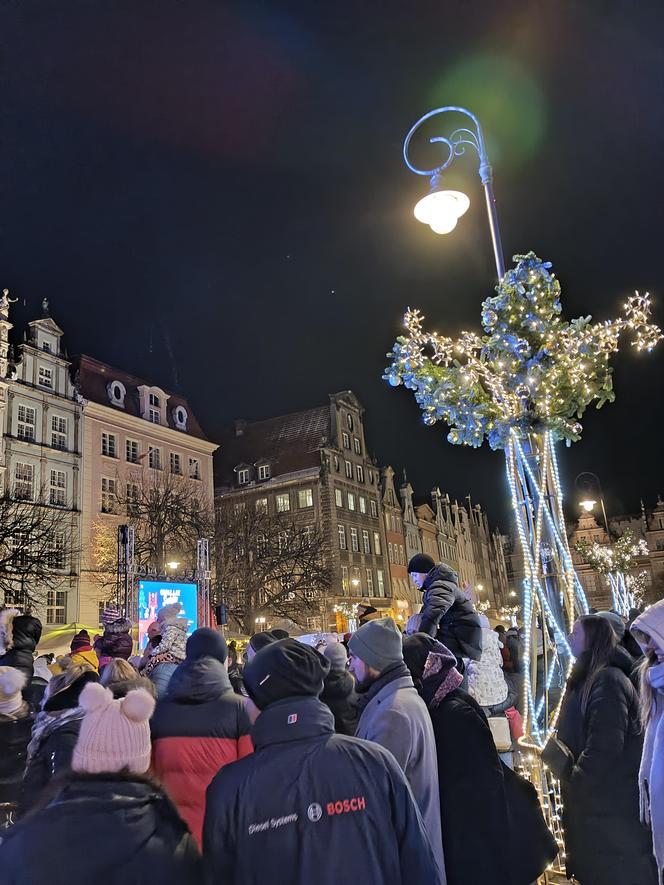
x: 305, y: 498
x: 27, y: 418
x: 108, y: 494
x: 345, y: 583
x: 354, y: 540
x: 56, y: 607
x: 283, y: 503
x: 154, y: 457
x: 366, y: 543
x: 363, y: 504
x: 402, y: 560
x: 336, y: 464
x: 261, y: 505
x: 131, y: 451
x: 58, y: 488
x: 338, y: 498
x: 349, y: 469
x: 389, y: 551
x: 154, y: 416
x: 313, y: 624
x: 381, y: 583
x: 243, y: 476
x: 374, y: 508
x: 371, y: 477
x: 264, y: 471
x: 46, y: 347
x: 24, y: 475
x: 194, y: 468
x: 345, y: 439
x: 133, y: 498
x: 109, y: 445
x: 370, y: 583
x: 357, y: 445
x: 355, y: 582
x: 58, y: 432
x: 180, y: 417
x: 349, y: 421
x: 377, y: 543
x: 45, y: 378
x: 116, y: 393
x: 154, y: 401
x: 351, y: 501
x: 176, y: 463
x: 360, y: 473
x: 59, y: 550
x: 342, y: 538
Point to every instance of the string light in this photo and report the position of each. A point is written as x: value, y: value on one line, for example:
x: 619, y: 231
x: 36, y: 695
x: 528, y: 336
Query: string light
x: 614, y: 563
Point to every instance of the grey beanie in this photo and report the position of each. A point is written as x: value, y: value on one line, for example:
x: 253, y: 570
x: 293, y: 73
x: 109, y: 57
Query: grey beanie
x: 378, y: 643
x: 337, y: 656
x: 617, y: 623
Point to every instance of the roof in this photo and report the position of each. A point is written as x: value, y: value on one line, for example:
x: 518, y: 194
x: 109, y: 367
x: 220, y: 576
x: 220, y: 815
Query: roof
x: 91, y: 377
x: 289, y: 443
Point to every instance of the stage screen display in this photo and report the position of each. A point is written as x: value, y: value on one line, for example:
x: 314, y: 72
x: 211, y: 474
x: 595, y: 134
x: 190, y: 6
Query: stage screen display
x: 153, y: 595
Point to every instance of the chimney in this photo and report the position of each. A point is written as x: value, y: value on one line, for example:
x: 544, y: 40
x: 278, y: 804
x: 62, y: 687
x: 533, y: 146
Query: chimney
x: 240, y: 426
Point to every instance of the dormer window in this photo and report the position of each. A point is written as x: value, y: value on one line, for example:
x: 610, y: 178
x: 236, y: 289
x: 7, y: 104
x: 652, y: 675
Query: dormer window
x: 179, y: 417
x: 116, y: 393
x: 264, y: 471
x: 154, y: 410
x: 45, y: 377
x: 349, y: 421
x: 46, y: 346
x: 242, y: 476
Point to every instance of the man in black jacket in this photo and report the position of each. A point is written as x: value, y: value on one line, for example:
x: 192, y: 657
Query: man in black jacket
x: 306, y: 797
x: 447, y: 614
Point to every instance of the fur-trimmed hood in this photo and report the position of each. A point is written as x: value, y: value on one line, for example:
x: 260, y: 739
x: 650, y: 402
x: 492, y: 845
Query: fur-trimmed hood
x: 7, y: 616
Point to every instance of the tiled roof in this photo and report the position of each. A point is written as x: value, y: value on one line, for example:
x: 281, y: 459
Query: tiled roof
x: 289, y: 443
x: 92, y: 376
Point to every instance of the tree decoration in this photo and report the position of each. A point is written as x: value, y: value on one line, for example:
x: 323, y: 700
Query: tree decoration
x: 615, y: 564
x: 523, y: 385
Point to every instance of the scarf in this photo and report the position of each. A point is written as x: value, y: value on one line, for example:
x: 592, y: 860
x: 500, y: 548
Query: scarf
x: 368, y: 692
x: 651, y: 773
x: 46, y: 723
x: 440, y: 677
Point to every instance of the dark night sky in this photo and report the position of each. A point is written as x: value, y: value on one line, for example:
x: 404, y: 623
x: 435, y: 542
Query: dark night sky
x: 212, y: 195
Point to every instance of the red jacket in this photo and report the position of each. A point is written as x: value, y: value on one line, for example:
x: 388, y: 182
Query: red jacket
x: 200, y: 726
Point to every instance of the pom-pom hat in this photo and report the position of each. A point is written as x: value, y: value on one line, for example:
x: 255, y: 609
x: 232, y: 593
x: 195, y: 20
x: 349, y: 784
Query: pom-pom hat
x: 115, y: 734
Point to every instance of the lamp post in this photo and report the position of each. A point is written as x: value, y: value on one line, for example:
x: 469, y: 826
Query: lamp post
x: 441, y: 208
x: 588, y: 503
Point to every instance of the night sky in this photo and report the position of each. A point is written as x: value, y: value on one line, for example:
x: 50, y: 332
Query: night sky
x: 212, y: 195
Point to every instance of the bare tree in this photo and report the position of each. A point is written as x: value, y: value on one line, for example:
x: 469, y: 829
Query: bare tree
x: 36, y: 549
x: 271, y: 565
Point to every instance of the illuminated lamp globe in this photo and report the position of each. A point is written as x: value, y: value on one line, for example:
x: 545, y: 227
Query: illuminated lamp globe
x: 588, y: 505
x: 441, y: 210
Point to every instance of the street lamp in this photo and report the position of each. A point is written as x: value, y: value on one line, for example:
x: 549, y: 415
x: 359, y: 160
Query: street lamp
x: 172, y: 565
x: 442, y: 208
x: 584, y: 482
x: 588, y: 505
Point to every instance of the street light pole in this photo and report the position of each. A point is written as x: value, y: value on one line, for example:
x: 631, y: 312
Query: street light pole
x: 452, y: 201
x: 601, y: 496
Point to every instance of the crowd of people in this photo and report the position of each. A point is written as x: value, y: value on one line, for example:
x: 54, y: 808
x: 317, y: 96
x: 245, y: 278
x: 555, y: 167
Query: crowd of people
x: 380, y: 756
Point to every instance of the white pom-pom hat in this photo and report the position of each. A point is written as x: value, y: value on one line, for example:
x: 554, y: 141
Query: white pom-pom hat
x: 11, y: 683
x: 115, y: 734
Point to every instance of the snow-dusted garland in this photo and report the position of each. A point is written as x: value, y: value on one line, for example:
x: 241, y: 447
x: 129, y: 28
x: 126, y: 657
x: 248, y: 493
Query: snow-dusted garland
x: 615, y: 564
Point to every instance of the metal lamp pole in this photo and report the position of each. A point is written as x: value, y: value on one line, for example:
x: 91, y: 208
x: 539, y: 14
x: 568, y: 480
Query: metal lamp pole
x: 601, y: 496
x: 456, y: 144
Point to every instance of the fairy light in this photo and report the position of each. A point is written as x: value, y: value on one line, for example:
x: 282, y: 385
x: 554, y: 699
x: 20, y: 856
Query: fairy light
x: 614, y: 563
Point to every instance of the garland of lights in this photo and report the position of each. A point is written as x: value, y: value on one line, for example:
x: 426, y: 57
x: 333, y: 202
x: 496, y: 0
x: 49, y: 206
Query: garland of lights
x: 521, y: 386
x: 615, y: 563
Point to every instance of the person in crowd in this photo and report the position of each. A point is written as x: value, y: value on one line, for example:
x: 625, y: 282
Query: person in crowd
x: 115, y: 641
x: 393, y: 715
x: 164, y: 657
x: 366, y: 613
x: 447, y: 614
x: 81, y: 651
x: 121, y: 677
x: 260, y: 640
x: 606, y: 842
x: 19, y: 637
x: 232, y: 653
x: 648, y: 630
x: 627, y: 641
x: 339, y: 690
x: 199, y: 726
x: 42, y: 675
x: 16, y: 721
x: 308, y: 798
x: 126, y: 825
x: 153, y: 639
x: 55, y: 731
x: 510, y: 648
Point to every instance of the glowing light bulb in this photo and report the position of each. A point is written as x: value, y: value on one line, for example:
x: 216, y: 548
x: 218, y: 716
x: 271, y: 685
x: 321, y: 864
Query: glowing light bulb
x: 441, y: 210
x: 588, y: 505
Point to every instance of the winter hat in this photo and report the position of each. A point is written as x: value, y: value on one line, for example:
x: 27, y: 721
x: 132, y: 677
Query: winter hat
x: 337, y: 656
x: 169, y: 615
x: 261, y: 640
x: 206, y: 642
x: 416, y: 650
x: 11, y: 683
x: 81, y: 642
x: 617, y: 623
x: 63, y: 690
x: 364, y: 611
x: 421, y: 563
x: 652, y: 622
x: 285, y: 669
x: 40, y: 669
x: 378, y: 643
x: 114, y: 734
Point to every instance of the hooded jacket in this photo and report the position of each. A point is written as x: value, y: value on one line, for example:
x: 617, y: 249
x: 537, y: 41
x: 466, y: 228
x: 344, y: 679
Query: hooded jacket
x: 339, y: 695
x: 114, y: 645
x: 307, y: 798
x: 200, y: 726
x: 128, y: 828
x: 19, y: 636
x: 606, y: 842
x: 448, y: 615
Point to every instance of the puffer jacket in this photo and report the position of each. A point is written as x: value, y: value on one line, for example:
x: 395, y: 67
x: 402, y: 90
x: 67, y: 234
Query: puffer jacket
x: 339, y: 695
x: 308, y: 800
x: 448, y: 615
x: 128, y: 828
x: 200, y: 726
x: 113, y: 645
x: 20, y: 635
x: 606, y: 842
x: 52, y: 755
x: 15, y: 729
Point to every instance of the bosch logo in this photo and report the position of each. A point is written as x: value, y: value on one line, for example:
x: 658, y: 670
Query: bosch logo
x: 344, y: 806
x: 314, y: 812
